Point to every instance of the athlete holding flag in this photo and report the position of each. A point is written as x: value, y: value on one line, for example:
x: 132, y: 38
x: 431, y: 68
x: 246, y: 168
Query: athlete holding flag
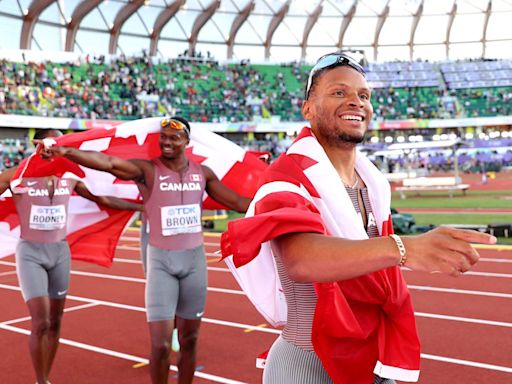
x: 319, y: 252
x: 43, y: 259
x: 172, y: 188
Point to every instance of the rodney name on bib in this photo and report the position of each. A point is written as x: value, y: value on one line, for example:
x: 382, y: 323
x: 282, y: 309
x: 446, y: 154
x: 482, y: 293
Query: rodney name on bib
x: 47, y: 218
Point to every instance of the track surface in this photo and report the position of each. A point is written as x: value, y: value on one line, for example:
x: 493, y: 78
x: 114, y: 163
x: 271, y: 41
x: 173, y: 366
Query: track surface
x: 465, y: 324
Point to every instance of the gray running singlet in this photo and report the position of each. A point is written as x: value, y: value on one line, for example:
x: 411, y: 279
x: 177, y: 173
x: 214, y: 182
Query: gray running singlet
x: 174, y: 207
x: 43, y: 219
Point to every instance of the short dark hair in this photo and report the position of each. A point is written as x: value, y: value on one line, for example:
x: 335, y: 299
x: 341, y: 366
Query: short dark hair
x: 314, y: 81
x: 42, y: 133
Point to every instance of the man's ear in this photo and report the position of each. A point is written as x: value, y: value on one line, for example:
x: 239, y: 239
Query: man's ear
x: 306, y: 109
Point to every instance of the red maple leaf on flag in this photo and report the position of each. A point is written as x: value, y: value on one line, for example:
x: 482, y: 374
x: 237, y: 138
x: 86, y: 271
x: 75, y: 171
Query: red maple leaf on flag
x: 94, y: 231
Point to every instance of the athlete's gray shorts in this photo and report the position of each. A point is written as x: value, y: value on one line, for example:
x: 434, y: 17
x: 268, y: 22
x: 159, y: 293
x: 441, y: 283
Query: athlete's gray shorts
x: 43, y: 269
x: 287, y: 363
x: 176, y: 284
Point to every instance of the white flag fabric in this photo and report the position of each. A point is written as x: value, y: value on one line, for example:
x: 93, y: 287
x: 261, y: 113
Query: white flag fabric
x: 93, y: 231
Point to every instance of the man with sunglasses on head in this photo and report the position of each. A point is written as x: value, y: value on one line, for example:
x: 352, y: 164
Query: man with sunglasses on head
x: 172, y: 188
x: 347, y: 311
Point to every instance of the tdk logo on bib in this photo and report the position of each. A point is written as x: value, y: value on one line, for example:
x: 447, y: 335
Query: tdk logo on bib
x: 48, y: 211
x: 183, y: 210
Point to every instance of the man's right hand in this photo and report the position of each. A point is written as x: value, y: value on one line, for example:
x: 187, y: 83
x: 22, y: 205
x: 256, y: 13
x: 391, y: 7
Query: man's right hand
x: 444, y: 250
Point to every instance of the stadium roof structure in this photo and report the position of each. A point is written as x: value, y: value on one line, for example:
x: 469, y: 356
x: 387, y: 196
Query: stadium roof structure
x: 275, y: 30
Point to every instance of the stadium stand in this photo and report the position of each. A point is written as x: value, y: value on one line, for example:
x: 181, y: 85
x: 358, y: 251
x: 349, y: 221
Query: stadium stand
x: 207, y: 91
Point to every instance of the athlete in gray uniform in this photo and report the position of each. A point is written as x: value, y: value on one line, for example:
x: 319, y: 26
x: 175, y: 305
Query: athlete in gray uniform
x: 172, y: 188
x: 43, y: 256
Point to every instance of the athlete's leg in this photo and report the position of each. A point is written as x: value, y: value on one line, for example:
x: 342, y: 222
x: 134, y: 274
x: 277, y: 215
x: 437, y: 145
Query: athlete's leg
x: 188, y: 331
x: 190, y: 309
x: 160, y: 335
x: 39, y: 309
x: 56, y: 311
x: 31, y: 268
x: 58, y: 284
x: 161, y: 298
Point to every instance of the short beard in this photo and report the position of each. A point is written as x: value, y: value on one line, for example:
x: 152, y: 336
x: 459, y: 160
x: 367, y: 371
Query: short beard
x: 340, y: 138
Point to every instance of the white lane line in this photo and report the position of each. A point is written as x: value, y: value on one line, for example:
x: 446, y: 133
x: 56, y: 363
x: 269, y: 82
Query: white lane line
x: 9, y: 263
x: 109, y: 277
x: 8, y: 273
x: 131, y: 239
x: 240, y: 325
x: 220, y: 379
x: 225, y: 290
x: 78, y: 307
x: 461, y: 291
x: 142, y: 309
x: 238, y: 292
x: 130, y: 248
x: 135, y: 261
x: 275, y: 331
x: 489, y: 274
x: 127, y: 261
x: 14, y: 321
x: 143, y: 281
x: 468, y: 363
x: 217, y: 253
x: 493, y: 260
x: 70, y: 309
x: 463, y: 319
x: 120, y: 355
x: 473, y: 273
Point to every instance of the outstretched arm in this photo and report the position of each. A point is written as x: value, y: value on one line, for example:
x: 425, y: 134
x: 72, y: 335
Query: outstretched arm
x: 122, y: 169
x: 222, y: 194
x: 5, y: 178
x: 312, y: 257
x: 109, y: 201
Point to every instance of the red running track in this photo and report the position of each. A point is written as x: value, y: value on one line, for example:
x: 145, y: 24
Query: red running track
x: 465, y: 325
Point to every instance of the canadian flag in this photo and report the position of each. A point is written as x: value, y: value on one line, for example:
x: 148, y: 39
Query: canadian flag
x: 93, y: 231
x: 362, y: 326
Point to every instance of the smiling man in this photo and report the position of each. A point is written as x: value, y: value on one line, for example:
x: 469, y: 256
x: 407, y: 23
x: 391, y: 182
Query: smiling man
x: 172, y: 188
x: 322, y: 233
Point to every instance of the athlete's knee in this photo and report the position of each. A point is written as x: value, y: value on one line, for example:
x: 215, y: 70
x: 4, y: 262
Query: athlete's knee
x: 188, y: 341
x: 160, y: 348
x: 55, y: 325
x: 40, y: 327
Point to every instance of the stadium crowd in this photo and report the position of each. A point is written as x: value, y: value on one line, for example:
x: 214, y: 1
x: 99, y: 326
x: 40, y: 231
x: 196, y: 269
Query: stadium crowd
x: 205, y: 90
x: 208, y: 91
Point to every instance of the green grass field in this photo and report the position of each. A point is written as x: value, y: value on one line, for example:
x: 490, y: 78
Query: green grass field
x: 473, y: 200
x: 476, y: 199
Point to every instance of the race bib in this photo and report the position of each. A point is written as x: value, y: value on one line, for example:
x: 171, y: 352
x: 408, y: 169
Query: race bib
x: 178, y: 219
x: 47, y: 218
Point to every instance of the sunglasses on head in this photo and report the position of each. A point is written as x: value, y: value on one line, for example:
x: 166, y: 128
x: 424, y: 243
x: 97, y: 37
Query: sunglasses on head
x: 175, y: 124
x: 332, y: 60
